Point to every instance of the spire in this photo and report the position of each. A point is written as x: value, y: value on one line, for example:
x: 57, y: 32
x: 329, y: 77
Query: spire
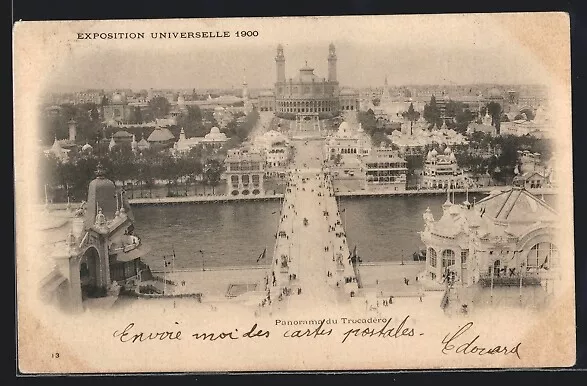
x: 112, y: 143
x: 100, y: 172
x: 117, y: 212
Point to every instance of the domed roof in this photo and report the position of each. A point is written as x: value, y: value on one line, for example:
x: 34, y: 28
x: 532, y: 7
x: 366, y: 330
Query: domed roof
x: 118, y: 98
x: 429, y: 155
x: 161, y: 135
x: 433, y: 153
x: 343, y: 128
x: 87, y: 146
x: 447, y: 150
x: 215, y: 135
x: 102, y: 194
x: 122, y: 134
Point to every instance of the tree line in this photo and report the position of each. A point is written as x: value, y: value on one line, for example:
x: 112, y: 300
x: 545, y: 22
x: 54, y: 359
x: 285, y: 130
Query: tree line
x: 181, y: 172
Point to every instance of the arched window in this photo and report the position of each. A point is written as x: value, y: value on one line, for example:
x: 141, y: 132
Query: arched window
x: 542, y: 255
x: 448, y: 258
x: 432, y: 257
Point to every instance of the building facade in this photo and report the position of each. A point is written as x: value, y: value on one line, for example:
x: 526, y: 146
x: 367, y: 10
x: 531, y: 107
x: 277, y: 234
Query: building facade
x: 385, y: 170
x: 349, y: 139
x: 118, y: 110
x: 245, y: 171
x: 100, y: 255
x: 506, y: 240
x: 308, y: 94
x: 441, y: 171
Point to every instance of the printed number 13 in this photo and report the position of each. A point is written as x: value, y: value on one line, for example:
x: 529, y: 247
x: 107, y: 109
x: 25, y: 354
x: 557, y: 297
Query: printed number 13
x: 55, y: 355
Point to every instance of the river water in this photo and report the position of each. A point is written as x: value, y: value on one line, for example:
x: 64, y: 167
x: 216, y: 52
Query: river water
x: 235, y: 234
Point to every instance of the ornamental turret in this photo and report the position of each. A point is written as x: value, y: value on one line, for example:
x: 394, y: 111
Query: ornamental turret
x: 331, y: 63
x: 280, y: 64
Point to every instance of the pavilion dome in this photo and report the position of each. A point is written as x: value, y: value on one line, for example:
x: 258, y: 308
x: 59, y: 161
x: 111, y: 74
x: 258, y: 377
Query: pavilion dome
x: 161, y: 135
x: 344, y: 127
x: 101, y: 194
x: 447, y: 151
x: 87, y: 146
x: 122, y: 134
x: 215, y: 135
x: 433, y: 153
x: 118, y: 98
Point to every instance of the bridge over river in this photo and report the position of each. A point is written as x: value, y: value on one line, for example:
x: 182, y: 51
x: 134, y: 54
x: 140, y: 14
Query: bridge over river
x: 311, y: 260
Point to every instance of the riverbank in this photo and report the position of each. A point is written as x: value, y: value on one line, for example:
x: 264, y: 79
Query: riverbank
x: 226, y: 283
x: 270, y: 197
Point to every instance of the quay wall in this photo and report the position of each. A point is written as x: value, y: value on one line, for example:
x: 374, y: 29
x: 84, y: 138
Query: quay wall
x: 271, y: 197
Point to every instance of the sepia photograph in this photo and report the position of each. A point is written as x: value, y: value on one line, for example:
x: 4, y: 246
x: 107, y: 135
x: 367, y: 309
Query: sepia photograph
x: 294, y: 194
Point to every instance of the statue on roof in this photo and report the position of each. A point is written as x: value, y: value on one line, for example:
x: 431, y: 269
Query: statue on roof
x: 100, y: 218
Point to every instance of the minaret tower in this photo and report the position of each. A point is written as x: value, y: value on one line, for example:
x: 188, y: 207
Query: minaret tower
x: 245, y: 86
x: 331, y: 63
x: 280, y: 64
x: 72, y: 129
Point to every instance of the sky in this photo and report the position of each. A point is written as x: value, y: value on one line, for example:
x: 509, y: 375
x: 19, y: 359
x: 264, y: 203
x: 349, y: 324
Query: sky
x: 440, y: 49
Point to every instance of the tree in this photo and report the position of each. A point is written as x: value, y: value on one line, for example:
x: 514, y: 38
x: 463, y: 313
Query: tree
x: 376, y: 101
x: 137, y: 116
x: 94, y: 114
x: 367, y: 120
x: 432, y: 112
x: 494, y: 109
x: 212, y: 173
x: 159, y: 106
x: 168, y: 171
x: 463, y: 118
x: 124, y: 167
x: 412, y: 115
x: 191, y: 122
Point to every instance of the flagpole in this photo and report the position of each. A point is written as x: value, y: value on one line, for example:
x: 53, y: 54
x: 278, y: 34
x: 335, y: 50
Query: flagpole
x: 521, y: 273
x: 492, y: 269
x: 164, y: 274
x: 173, y: 261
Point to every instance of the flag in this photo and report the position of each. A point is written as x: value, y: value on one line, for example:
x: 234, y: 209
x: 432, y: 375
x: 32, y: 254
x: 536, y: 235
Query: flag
x: 262, y: 255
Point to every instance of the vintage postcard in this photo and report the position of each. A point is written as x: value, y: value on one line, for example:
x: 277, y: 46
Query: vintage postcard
x: 283, y: 194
